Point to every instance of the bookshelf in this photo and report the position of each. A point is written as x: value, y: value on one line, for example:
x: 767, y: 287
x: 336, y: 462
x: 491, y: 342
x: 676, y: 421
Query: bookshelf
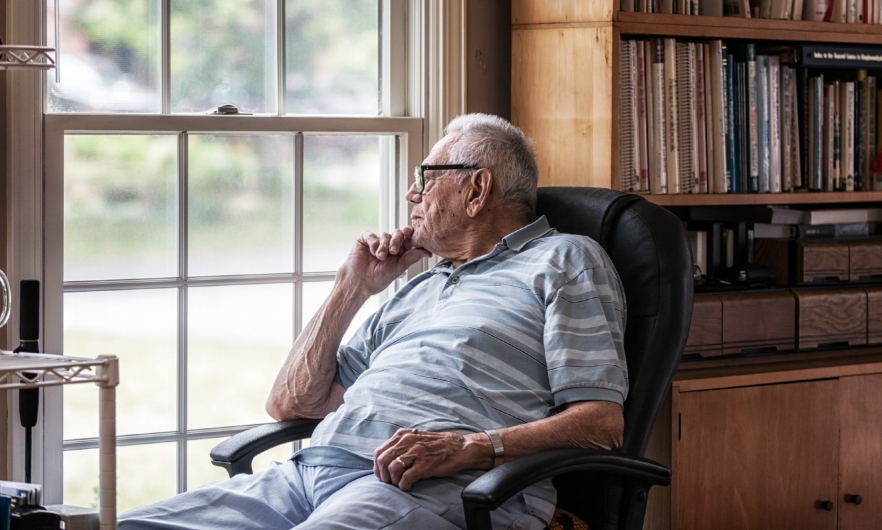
x: 565, y: 95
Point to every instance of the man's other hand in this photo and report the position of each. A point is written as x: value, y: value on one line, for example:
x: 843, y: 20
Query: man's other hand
x: 411, y: 455
x: 376, y: 260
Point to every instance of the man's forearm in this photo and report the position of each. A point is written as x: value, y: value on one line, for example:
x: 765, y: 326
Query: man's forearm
x: 305, y: 385
x: 586, y: 425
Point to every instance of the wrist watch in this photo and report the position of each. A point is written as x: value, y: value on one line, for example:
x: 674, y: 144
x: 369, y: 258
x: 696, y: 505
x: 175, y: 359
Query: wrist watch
x: 498, y: 450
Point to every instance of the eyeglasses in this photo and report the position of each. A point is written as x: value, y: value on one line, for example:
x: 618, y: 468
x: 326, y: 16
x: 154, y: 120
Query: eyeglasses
x: 419, y: 172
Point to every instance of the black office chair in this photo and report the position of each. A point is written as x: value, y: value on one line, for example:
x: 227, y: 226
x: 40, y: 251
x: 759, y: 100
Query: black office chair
x: 606, y: 489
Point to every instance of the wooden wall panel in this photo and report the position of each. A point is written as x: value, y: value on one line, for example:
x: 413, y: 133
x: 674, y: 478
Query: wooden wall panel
x: 562, y: 99
x: 758, y: 457
x: 860, y: 451
x: 550, y: 11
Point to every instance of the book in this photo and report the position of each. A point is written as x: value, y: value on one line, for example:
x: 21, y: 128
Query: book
x: 774, y: 123
x: 687, y: 122
x: 715, y: 249
x: 659, y: 179
x: 831, y: 175
x: 860, y: 147
x: 815, y: 133
x: 642, y: 117
x: 750, y: 214
x: 703, y: 148
x: 749, y: 51
x: 671, y: 115
x: 851, y: 56
x: 729, y: 121
x: 871, y: 131
x: 847, y: 134
x: 786, y: 148
x: 629, y: 162
x: 763, y: 124
x: 842, y: 215
x: 831, y: 231
x: 719, y: 131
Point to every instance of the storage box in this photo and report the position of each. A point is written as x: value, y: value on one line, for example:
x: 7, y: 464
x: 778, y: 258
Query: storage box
x: 758, y: 321
x: 831, y: 317
x: 864, y: 260
x: 706, y: 331
x: 821, y: 262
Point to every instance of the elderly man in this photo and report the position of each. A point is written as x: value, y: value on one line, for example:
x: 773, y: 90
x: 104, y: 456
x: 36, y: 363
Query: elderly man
x: 511, y: 345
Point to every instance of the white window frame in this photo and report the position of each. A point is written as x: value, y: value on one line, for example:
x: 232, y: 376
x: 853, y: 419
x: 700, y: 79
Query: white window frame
x: 429, y: 37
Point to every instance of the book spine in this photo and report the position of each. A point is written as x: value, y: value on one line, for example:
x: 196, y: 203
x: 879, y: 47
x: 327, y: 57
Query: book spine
x: 671, y: 114
x: 687, y: 122
x: 719, y: 126
x: 762, y: 120
x: 742, y: 129
x: 848, y: 135
x: 752, y: 116
x: 660, y: 147
x: 871, y: 132
x: 860, y: 139
x: 705, y: 136
x: 795, y: 144
x: 837, y: 136
x: 651, y: 146
x: 775, y: 123
x: 642, y: 135
x: 786, y: 128
x: 729, y: 121
x: 829, y: 132
x: 816, y: 105
x: 627, y: 171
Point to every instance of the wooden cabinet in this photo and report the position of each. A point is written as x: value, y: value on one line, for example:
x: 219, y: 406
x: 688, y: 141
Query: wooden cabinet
x: 773, y: 444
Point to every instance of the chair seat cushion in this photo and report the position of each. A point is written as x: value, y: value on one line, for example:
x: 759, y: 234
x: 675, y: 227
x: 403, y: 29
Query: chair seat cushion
x: 564, y: 520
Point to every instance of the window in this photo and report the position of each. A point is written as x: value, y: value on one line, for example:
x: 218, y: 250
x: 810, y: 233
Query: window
x: 196, y: 246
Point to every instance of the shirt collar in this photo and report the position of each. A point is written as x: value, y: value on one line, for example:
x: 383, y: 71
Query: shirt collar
x: 520, y: 237
x: 516, y: 241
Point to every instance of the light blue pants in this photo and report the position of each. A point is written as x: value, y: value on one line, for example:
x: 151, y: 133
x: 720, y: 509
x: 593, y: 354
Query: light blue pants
x: 295, y: 495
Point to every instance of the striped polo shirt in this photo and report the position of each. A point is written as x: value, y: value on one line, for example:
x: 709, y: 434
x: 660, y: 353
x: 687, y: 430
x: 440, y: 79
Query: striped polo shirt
x: 505, y: 339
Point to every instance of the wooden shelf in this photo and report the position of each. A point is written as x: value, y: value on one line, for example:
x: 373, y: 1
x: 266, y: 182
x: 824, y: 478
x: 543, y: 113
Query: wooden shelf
x: 656, y: 24
x: 726, y: 199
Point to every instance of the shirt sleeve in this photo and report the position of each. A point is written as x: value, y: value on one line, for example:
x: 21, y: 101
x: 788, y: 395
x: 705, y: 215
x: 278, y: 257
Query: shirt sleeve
x: 353, y: 357
x: 583, y: 337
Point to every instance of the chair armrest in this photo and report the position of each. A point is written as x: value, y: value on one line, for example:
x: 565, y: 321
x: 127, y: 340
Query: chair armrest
x: 236, y: 452
x: 496, y: 486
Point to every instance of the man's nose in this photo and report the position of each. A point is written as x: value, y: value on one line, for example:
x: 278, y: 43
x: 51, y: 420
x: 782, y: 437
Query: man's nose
x: 413, y: 195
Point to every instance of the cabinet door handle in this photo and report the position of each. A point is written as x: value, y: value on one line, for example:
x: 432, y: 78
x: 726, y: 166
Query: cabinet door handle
x: 857, y: 499
x: 825, y: 505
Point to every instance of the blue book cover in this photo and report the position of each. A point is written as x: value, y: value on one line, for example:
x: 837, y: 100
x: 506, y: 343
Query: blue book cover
x: 729, y: 109
x: 763, y: 123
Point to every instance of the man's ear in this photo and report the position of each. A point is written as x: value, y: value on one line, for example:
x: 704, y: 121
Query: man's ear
x: 478, y: 188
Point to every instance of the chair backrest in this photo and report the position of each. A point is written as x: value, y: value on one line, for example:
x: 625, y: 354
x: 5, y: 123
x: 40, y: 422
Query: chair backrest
x: 651, y: 253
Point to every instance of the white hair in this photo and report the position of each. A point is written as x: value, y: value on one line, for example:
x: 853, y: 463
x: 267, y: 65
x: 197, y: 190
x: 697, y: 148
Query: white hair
x: 492, y: 142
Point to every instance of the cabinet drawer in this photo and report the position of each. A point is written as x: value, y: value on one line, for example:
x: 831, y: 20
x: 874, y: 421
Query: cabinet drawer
x: 864, y: 260
x: 821, y: 261
x: 831, y: 316
x: 758, y: 322
x: 706, y: 330
x: 874, y: 315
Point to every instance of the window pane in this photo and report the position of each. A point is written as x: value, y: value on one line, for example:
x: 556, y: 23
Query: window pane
x: 241, y: 218
x: 139, y: 327
x: 201, y: 471
x: 314, y: 293
x: 120, y: 206
x: 223, y: 51
x: 105, y: 65
x: 333, y: 58
x: 237, y: 339
x: 341, y: 181
x: 145, y: 474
